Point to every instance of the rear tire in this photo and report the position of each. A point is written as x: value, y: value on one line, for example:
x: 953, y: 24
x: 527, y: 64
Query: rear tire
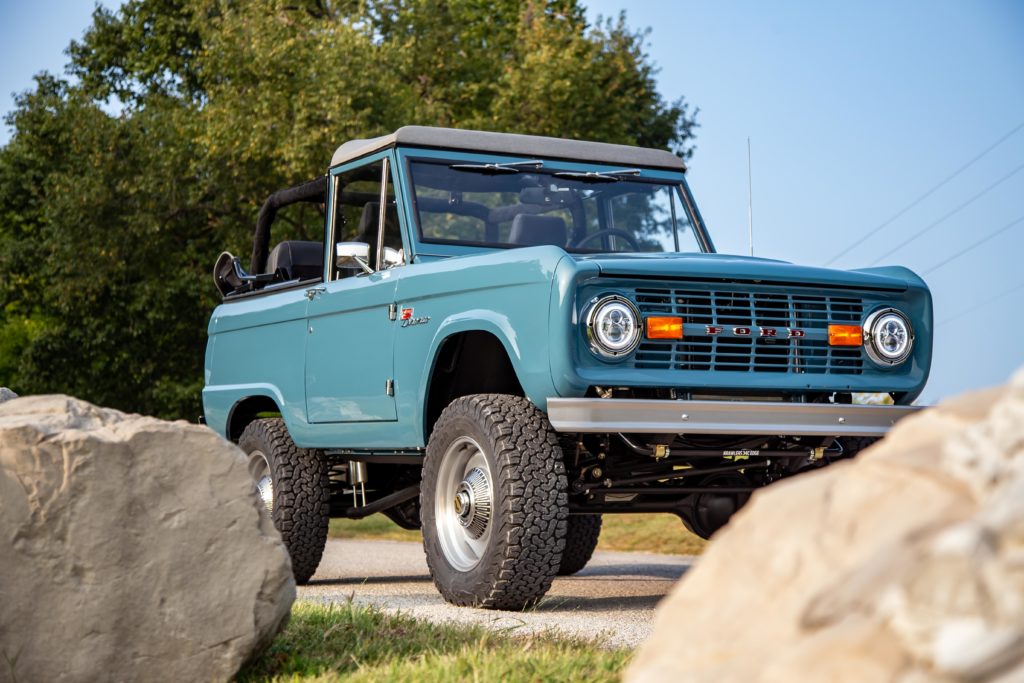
x: 580, y: 541
x: 493, y: 502
x: 294, y: 485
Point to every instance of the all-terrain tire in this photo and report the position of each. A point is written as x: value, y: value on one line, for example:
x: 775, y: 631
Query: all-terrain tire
x: 580, y: 540
x: 520, y: 550
x: 301, y: 491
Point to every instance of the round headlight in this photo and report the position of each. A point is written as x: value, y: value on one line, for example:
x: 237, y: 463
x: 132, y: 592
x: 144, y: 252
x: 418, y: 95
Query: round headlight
x: 613, y: 327
x: 888, y: 336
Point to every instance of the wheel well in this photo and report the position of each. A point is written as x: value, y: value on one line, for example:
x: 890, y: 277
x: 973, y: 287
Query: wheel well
x: 247, y: 410
x: 469, y: 363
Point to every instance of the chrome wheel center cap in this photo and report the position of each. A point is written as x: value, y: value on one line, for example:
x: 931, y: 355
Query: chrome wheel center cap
x: 463, y: 503
x: 473, y: 503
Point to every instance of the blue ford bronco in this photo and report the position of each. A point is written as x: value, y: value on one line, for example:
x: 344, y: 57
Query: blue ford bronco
x: 501, y: 338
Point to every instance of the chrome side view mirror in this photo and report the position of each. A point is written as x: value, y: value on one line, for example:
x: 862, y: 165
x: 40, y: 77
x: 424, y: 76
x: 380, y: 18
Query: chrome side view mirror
x: 393, y: 257
x: 353, y: 252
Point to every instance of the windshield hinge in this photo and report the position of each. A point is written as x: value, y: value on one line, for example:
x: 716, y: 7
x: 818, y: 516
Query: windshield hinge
x: 392, y: 311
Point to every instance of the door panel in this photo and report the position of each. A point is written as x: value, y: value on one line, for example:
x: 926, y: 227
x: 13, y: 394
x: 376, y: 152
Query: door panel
x: 350, y: 351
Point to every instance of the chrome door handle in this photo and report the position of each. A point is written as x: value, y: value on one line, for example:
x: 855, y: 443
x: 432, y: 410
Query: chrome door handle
x: 313, y: 291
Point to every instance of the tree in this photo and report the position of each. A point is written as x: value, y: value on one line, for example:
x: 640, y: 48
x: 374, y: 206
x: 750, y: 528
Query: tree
x: 110, y: 222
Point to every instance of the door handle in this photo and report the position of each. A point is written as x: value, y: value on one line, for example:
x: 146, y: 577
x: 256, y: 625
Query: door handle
x: 313, y: 291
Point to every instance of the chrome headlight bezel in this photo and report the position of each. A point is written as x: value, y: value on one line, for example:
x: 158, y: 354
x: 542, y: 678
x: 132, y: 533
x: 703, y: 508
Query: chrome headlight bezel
x: 873, y: 344
x: 602, y: 347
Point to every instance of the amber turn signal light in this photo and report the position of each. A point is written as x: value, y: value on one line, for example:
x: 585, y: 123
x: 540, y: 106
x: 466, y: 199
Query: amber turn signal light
x: 662, y: 327
x: 845, y: 335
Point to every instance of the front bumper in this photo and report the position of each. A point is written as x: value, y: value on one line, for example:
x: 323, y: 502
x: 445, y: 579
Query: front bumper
x: 722, y: 417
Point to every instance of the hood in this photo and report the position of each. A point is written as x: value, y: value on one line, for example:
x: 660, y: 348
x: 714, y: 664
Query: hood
x: 726, y: 267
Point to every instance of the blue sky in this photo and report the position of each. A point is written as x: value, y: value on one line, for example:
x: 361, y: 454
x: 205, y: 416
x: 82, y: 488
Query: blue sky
x: 854, y: 110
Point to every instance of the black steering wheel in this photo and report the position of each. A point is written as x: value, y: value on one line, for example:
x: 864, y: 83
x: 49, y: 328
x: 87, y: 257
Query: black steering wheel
x: 609, y: 231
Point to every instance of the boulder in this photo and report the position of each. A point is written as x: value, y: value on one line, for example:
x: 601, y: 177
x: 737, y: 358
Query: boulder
x: 906, y: 564
x: 131, y: 549
x: 6, y: 394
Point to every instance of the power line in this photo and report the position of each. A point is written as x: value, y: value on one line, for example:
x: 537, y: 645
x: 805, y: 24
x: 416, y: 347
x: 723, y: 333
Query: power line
x: 927, y: 194
x: 976, y: 244
x: 986, y: 302
x: 950, y: 214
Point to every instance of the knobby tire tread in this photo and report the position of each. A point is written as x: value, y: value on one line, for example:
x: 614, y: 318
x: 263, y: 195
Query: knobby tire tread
x: 301, y: 493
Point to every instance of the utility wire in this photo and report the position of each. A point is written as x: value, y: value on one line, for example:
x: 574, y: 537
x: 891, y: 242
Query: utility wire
x: 927, y: 194
x: 976, y: 244
x: 979, y: 306
x: 950, y: 214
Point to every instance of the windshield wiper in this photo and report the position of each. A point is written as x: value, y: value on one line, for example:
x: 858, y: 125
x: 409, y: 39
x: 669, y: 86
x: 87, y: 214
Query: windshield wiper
x: 497, y: 168
x: 597, y: 176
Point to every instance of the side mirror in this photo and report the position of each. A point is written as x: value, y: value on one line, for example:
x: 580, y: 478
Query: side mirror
x: 353, y: 252
x: 392, y: 257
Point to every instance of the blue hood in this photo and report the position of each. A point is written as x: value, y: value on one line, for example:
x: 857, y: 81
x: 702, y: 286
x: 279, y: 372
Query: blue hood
x: 747, y: 268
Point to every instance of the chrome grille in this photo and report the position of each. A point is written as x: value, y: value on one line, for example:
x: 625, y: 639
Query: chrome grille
x: 730, y: 309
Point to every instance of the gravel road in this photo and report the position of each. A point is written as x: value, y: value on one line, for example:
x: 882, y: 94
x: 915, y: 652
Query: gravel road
x: 612, y: 599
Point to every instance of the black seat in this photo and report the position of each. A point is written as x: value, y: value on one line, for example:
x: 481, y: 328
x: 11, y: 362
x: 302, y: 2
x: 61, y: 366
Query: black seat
x: 296, y: 260
x: 368, y: 222
x: 528, y: 230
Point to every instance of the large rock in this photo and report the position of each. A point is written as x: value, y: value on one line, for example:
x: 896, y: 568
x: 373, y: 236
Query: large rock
x: 131, y: 549
x: 6, y: 394
x: 906, y: 564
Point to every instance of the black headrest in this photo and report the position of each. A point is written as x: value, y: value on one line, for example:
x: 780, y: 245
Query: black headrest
x: 531, y: 230
x: 368, y: 222
x: 297, y: 260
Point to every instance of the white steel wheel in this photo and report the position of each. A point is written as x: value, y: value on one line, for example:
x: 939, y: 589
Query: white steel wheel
x: 259, y: 469
x: 464, y: 504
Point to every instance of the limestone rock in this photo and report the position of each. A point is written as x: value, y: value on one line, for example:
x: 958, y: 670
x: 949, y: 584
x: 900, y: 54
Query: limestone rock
x: 6, y: 394
x: 906, y: 564
x: 130, y: 549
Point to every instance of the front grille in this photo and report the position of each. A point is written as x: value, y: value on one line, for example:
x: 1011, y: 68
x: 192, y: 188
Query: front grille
x: 729, y: 310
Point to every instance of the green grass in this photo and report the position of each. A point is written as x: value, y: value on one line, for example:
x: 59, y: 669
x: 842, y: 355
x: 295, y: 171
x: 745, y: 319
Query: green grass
x: 652, y: 533
x: 660, y: 533
x: 375, y: 526
x: 362, y: 644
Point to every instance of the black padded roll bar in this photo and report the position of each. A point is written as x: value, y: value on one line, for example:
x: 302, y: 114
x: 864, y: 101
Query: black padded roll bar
x: 314, y: 191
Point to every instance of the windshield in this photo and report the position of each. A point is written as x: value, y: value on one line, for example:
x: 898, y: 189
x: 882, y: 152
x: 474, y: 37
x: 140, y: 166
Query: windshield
x: 527, y: 204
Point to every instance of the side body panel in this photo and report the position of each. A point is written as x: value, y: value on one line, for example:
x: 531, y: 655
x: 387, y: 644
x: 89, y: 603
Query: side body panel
x: 350, y: 351
x: 256, y: 348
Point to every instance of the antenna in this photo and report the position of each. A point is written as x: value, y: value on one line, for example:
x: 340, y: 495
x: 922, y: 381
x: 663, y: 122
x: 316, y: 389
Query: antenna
x: 750, y: 199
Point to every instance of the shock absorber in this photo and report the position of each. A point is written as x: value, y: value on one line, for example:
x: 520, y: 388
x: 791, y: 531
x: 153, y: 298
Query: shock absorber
x: 357, y: 478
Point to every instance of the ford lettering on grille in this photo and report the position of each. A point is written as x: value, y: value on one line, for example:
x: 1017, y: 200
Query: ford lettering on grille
x: 791, y: 333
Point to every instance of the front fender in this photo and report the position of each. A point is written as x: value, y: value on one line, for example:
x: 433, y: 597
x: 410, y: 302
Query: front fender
x: 530, y: 363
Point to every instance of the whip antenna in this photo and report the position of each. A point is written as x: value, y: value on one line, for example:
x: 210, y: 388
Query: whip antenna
x: 750, y: 200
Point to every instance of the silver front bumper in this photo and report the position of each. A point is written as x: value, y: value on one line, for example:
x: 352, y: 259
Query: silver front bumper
x: 722, y: 417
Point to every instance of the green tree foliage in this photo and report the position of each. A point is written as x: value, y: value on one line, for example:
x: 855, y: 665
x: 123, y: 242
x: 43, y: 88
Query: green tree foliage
x: 110, y: 222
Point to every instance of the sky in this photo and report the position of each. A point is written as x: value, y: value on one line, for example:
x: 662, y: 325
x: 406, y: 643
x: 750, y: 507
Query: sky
x: 870, y: 123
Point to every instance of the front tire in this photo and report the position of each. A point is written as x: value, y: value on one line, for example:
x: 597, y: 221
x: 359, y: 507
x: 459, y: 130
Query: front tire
x: 294, y: 485
x: 493, y: 502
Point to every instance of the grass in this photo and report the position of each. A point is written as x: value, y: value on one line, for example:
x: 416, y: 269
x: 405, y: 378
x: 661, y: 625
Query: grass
x: 353, y: 643
x: 655, y: 533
